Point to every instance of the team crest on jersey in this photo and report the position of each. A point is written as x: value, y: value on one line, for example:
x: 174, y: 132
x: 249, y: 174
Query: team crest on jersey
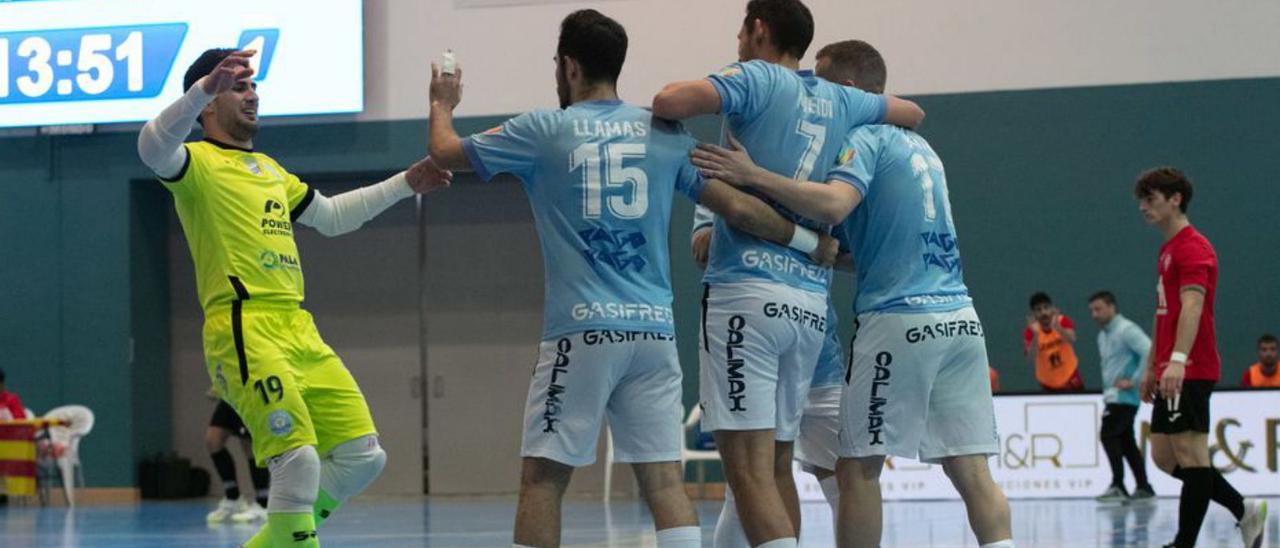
x: 251, y: 164
x: 618, y: 249
x: 279, y: 422
x: 730, y: 72
x: 222, y: 381
x: 846, y: 155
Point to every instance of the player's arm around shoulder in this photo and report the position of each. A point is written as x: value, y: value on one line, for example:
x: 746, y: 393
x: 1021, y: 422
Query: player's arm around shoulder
x: 733, y: 90
x: 682, y: 100
x: 902, y: 112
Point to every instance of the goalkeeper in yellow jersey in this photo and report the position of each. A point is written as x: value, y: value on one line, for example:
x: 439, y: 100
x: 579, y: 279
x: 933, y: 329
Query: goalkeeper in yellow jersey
x: 309, y: 422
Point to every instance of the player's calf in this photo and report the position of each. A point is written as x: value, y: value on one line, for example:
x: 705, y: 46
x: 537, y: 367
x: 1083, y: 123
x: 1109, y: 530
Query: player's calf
x: 985, y: 503
x: 662, y: 487
x: 295, y: 480
x: 859, y: 523
x: 749, y: 469
x: 542, y: 486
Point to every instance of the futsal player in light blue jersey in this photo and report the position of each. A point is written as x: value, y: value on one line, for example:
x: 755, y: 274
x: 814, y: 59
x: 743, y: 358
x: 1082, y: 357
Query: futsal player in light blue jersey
x: 917, y: 384
x: 764, y: 308
x: 601, y: 176
x: 816, y: 444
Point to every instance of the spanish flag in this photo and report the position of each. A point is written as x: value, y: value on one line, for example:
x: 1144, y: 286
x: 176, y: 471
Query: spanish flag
x: 18, y: 458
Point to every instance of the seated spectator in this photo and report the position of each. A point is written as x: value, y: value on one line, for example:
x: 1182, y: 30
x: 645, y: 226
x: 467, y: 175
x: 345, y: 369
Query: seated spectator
x: 995, y: 379
x: 10, y: 404
x: 1047, y: 343
x: 1265, y: 373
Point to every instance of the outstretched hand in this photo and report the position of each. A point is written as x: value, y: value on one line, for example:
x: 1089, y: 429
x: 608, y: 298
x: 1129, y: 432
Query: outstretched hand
x: 732, y: 165
x: 446, y: 89
x: 232, y: 69
x: 425, y: 176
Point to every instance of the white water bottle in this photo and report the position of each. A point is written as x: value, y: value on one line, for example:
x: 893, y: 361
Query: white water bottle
x: 447, y: 63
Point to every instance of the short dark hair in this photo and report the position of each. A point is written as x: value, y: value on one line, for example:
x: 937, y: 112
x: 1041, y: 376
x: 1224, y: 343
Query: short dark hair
x: 857, y: 61
x: 790, y: 24
x: 1265, y: 338
x: 1104, y: 296
x: 1167, y: 181
x: 596, y: 42
x: 203, y: 65
x: 1038, y: 298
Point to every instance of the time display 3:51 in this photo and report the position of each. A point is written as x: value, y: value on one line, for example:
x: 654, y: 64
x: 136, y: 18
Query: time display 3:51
x: 88, y: 63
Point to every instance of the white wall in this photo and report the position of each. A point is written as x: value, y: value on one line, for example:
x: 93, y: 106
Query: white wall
x: 930, y: 46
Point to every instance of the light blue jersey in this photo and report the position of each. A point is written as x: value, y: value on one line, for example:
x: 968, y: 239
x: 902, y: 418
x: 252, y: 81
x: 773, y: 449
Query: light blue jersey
x: 601, y: 177
x: 902, y: 235
x: 1123, y: 348
x: 831, y: 361
x: 791, y: 124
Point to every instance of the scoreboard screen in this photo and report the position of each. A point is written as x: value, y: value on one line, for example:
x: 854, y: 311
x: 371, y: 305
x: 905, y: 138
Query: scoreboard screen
x: 103, y: 61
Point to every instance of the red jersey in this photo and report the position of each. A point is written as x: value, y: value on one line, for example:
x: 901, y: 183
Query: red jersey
x: 1187, y: 259
x: 10, y: 402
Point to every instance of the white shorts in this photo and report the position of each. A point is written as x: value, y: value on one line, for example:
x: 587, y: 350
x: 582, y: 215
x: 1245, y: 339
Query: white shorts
x: 919, y: 388
x: 634, y: 376
x: 819, y: 441
x: 760, y: 343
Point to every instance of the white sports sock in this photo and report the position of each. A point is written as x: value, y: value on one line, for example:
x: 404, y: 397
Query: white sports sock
x: 785, y: 542
x: 514, y: 545
x: 729, y: 531
x: 680, y: 537
x: 1006, y: 543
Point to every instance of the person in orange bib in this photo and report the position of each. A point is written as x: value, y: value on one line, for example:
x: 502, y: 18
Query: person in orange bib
x: 1048, y: 342
x: 1265, y: 373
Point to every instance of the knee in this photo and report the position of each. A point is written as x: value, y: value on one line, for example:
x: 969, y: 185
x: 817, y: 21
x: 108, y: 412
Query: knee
x: 968, y: 473
x: 215, y: 440
x: 659, y: 477
x: 352, y: 467
x: 295, y: 480
x: 540, y: 473
x: 854, y: 473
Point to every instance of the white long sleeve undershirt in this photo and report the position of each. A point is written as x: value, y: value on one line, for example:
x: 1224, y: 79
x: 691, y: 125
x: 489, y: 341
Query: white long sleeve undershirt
x: 160, y: 148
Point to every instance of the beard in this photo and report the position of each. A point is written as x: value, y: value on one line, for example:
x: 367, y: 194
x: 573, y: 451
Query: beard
x: 562, y: 88
x: 243, y: 130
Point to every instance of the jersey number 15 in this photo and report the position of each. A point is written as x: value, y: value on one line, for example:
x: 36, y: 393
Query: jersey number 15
x: 598, y: 176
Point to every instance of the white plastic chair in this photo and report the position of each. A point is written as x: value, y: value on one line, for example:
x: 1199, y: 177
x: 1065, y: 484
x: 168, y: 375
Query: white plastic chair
x: 687, y: 454
x: 66, y: 444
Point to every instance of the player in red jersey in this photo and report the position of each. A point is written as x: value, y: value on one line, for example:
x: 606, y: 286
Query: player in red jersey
x: 1183, y: 362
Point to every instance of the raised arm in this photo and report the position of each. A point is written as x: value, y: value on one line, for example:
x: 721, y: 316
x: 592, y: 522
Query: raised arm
x: 828, y: 203
x: 1068, y: 333
x: 160, y: 141
x: 681, y: 100
x: 444, y: 143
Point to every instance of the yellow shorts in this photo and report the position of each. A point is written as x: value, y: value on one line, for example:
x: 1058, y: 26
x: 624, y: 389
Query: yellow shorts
x: 267, y: 360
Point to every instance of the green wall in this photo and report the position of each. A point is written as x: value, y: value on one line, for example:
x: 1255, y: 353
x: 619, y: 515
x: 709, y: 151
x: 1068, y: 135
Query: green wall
x: 1040, y: 182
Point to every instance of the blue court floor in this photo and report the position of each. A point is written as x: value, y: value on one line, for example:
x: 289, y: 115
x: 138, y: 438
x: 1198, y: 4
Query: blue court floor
x: 462, y: 522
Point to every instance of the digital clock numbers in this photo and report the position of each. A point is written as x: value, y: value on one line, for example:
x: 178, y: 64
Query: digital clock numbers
x: 88, y: 63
